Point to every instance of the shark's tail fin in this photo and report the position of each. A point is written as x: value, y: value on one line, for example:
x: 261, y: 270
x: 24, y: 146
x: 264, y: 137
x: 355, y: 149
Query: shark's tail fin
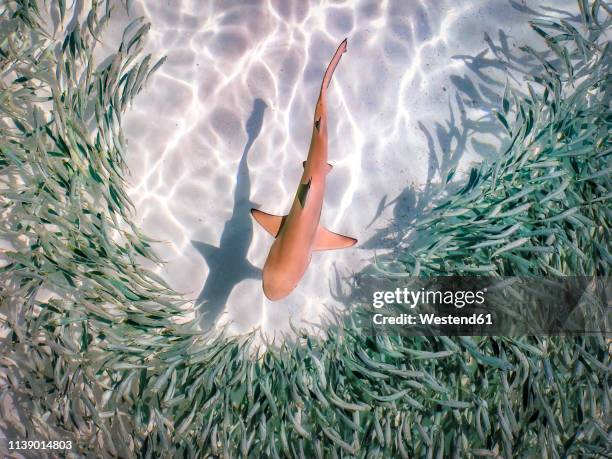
x: 332, y: 65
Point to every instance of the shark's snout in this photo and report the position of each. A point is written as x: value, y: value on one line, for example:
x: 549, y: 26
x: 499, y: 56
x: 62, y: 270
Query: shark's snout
x: 274, y: 294
x: 275, y: 285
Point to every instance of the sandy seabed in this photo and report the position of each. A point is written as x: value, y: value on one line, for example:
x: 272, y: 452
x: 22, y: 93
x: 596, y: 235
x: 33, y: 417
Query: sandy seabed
x: 225, y: 124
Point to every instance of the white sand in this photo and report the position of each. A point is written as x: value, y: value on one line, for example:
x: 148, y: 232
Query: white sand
x: 395, y: 86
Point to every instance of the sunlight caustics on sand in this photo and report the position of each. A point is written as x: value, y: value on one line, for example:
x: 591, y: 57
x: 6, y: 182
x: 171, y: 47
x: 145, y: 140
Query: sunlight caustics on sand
x: 226, y: 123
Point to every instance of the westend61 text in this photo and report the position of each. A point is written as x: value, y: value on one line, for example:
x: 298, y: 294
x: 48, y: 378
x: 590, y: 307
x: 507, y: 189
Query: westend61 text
x: 432, y: 319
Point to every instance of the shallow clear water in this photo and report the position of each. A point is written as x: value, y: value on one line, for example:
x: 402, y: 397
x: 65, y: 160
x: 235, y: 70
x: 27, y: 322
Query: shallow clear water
x: 225, y: 125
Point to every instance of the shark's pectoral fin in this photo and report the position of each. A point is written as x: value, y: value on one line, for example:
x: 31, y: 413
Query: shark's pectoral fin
x: 271, y: 223
x: 326, y: 240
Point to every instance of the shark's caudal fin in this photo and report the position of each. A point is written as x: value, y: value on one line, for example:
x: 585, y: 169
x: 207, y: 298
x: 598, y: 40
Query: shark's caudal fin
x: 332, y: 65
x: 326, y: 240
x: 271, y: 223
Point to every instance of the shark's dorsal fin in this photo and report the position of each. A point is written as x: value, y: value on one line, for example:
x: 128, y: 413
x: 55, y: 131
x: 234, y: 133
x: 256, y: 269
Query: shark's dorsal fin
x: 326, y: 240
x: 271, y: 223
x: 302, y: 192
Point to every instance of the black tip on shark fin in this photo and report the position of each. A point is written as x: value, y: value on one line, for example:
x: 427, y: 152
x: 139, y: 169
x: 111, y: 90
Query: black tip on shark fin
x: 317, y: 124
x: 302, y: 193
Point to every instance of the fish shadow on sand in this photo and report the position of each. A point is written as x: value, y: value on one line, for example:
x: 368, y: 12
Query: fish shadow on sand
x: 446, y: 144
x: 228, y: 264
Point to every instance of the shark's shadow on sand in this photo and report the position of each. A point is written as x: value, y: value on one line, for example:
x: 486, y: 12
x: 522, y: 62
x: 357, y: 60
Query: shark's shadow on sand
x: 228, y: 264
